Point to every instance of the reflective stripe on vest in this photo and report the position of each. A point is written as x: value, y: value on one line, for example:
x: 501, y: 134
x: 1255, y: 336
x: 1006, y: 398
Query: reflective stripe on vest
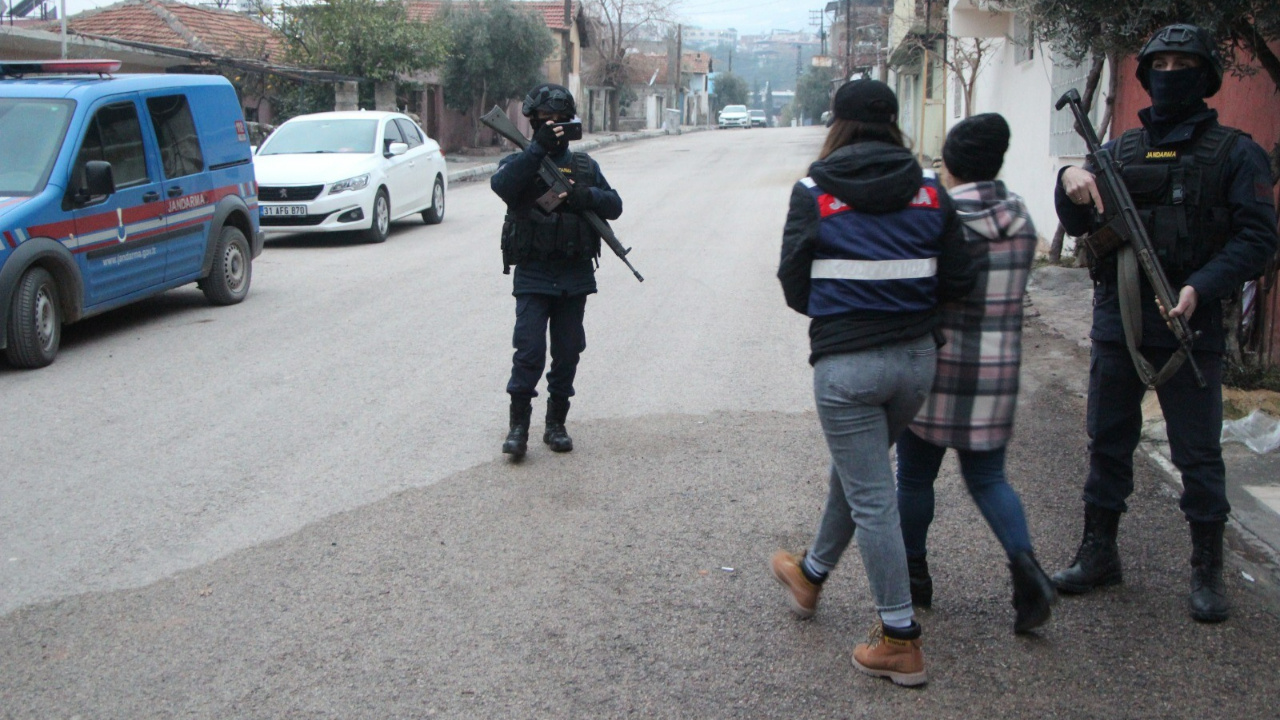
x: 876, y: 262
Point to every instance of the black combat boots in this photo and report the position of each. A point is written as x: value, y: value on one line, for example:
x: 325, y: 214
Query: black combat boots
x: 921, y: 581
x: 1208, y: 600
x: 1097, y: 563
x: 517, y: 442
x: 1033, y: 594
x: 556, y: 436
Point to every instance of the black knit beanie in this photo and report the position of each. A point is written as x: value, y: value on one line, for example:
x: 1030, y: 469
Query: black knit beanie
x: 975, y: 147
x: 865, y: 101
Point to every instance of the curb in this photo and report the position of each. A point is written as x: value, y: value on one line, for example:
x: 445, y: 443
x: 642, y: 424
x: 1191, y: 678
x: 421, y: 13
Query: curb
x: 481, y: 172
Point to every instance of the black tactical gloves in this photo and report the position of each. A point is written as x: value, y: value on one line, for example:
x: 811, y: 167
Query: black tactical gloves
x: 580, y: 198
x: 546, y: 137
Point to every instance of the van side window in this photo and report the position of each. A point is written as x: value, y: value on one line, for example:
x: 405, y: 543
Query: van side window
x: 176, y: 135
x: 411, y: 134
x: 114, y: 135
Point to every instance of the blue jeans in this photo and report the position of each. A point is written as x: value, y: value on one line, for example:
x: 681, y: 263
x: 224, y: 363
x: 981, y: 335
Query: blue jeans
x: 864, y: 400
x: 983, y: 472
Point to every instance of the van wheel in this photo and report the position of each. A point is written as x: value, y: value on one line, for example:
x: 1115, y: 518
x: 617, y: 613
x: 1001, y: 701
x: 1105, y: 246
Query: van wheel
x: 35, y: 321
x: 381, y: 224
x: 435, y: 214
x: 228, y: 280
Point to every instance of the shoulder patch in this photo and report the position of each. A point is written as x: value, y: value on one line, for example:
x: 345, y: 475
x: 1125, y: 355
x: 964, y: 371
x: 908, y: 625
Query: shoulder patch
x: 926, y: 198
x: 1263, y: 193
x: 829, y: 205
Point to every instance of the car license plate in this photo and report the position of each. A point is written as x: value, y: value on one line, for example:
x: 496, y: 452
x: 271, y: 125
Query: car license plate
x: 278, y: 210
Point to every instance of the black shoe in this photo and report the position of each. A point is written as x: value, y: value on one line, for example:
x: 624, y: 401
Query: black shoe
x: 1097, y: 562
x: 1033, y: 594
x: 1208, y: 599
x: 517, y: 442
x: 556, y: 436
x: 921, y: 582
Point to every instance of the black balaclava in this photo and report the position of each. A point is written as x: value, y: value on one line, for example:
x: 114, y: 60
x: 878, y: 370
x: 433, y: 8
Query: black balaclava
x: 1176, y: 94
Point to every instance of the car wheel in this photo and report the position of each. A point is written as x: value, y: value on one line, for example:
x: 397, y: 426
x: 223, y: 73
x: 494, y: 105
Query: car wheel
x: 381, y: 224
x: 232, y: 271
x: 35, y: 321
x: 435, y: 214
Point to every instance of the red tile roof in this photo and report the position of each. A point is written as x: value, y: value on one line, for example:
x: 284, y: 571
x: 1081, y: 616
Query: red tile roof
x: 178, y: 25
x: 552, y: 11
x: 640, y: 67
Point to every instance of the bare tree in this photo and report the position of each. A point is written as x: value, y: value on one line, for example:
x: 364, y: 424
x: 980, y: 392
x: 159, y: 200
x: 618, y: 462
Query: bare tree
x: 619, y: 25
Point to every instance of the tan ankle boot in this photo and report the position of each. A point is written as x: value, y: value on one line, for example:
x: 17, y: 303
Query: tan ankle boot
x: 804, y: 594
x: 892, y: 653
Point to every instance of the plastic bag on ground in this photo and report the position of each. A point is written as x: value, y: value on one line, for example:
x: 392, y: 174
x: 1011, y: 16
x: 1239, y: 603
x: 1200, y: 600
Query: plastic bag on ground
x: 1258, y: 430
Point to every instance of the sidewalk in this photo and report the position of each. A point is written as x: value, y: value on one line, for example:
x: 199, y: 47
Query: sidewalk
x: 480, y: 163
x: 1061, y: 300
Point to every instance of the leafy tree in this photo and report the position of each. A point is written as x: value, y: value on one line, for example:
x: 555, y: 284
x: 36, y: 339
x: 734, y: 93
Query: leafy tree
x: 813, y: 93
x: 373, y: 39
x: 498, y: 51
x: 730, y: 89
x: 619, y: 25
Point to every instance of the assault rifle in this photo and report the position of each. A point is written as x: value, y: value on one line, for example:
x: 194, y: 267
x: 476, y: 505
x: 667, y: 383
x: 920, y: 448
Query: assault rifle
x: 559, y: 184
x: 1125, y: 227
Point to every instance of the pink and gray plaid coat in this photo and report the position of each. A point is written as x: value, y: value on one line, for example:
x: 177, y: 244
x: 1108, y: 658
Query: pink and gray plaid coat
x: 975, y: 390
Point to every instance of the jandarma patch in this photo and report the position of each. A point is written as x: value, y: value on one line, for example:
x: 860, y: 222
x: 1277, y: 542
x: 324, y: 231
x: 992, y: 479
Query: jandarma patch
x: 1162, y: 154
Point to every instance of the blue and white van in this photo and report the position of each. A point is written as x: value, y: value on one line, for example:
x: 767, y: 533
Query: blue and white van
x: 114, y: 189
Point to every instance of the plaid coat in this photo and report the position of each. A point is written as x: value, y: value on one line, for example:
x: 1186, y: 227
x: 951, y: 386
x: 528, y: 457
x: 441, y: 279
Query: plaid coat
x: 975, y: 390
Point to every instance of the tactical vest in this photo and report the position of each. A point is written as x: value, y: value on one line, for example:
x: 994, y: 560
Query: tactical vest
x: 530, y: 234
x: 876, y: 262
x: 1180, y: 195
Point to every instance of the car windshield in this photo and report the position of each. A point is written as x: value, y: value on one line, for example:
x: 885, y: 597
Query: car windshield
x: 322, y: 136
x: 31, y: 132
x: 735, y: 108
x: 756, y: 113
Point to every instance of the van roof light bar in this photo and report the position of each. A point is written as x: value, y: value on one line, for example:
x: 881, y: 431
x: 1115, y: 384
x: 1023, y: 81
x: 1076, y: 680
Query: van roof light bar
x: 18, y: 68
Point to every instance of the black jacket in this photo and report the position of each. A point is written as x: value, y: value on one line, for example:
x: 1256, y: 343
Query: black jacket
x: 1252, y: 242
x: 516, y: 182
x: 875, y: 178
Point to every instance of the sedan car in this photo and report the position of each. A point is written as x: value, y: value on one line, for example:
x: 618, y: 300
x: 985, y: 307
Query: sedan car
x: 757, y: 118
x: 349, y: 171
x: 734, y: 116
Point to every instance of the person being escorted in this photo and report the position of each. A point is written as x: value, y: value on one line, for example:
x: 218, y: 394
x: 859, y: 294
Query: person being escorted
x: 871, y: 245
x: 975, y: 389
x: 554, y: 251
x: 1203, y: 191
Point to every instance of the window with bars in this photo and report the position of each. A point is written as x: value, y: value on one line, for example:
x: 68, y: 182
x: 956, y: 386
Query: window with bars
x: 1063, y: 139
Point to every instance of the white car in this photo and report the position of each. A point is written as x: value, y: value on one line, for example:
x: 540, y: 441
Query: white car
x: 348, y: 171
x: 734, y: 116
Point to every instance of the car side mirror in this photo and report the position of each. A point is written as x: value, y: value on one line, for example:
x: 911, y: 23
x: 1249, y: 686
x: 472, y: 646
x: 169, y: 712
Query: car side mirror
x: 397, y: 148
x: 98, y: 181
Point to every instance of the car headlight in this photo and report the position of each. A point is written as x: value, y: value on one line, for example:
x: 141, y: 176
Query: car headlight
x: 359, y: 182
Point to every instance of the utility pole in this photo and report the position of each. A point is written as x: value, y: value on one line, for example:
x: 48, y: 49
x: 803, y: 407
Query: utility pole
x: 819, y: 18
x: 848, y: 40
x: 680, y: 70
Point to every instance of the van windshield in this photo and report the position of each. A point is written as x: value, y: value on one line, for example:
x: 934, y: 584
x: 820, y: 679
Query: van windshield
x: 322, y: 136
x: 31, y: 133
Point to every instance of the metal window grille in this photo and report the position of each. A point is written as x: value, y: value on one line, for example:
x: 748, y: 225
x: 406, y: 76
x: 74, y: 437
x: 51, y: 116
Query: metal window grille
x: 1063, y: 139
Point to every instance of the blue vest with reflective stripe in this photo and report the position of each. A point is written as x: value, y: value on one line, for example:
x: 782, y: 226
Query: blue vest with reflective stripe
x: 876, y: 262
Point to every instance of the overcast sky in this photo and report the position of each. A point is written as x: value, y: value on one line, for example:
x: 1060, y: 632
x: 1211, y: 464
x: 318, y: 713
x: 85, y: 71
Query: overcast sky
x: 749, y: 17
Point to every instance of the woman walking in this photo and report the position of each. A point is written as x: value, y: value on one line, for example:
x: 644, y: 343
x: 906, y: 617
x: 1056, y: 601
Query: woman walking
x: 975, y: 390
x: 871, y: 245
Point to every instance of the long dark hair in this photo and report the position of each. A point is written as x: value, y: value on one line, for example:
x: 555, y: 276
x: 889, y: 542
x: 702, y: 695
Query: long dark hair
x: 847, y: 132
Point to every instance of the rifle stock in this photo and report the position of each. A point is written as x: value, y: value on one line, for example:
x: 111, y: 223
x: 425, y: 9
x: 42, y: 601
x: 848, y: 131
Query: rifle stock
x: 501, y: 124
x: 1125, y: 223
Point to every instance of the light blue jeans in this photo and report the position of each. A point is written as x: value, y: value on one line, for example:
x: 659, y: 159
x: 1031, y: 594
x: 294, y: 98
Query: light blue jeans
x: 865, y: 398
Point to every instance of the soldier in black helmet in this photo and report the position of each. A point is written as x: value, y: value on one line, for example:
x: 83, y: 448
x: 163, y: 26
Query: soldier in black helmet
x: 1203, y: 191
x: 554, y: 253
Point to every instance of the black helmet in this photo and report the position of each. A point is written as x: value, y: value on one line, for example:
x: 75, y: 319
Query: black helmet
x: 1184, y: 39
x: 550, y: 98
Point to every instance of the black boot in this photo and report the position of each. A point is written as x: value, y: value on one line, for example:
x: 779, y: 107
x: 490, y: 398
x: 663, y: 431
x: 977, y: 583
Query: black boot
x: 921, y: 582
x: 556, y: 436
x: 1097, y: 563
x: 1208, y: 601
x: 517, y: 442
x: 1032, y: 593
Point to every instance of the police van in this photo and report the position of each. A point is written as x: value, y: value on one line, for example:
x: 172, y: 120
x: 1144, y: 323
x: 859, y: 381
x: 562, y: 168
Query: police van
x: 115, y: 188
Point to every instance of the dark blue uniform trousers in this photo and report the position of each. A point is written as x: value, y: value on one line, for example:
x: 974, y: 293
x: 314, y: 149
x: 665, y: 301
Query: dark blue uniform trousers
x: 1193, y: 417
x: 534, y: 313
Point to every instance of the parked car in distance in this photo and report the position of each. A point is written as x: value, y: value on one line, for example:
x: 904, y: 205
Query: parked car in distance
x: 349, y: 171
x: 114, y: 189
x: 734, y: 116
x: 757, y: 118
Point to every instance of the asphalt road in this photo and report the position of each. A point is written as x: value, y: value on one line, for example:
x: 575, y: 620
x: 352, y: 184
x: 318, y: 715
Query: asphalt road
x: 296, y: 507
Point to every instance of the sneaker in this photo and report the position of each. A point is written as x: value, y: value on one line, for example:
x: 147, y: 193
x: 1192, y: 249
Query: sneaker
x: 804, y: 594
x: 892, y: 653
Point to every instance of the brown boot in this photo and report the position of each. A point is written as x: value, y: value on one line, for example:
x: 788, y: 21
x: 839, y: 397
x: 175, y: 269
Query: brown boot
x: 804, y: 593
x: 892, y: 653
